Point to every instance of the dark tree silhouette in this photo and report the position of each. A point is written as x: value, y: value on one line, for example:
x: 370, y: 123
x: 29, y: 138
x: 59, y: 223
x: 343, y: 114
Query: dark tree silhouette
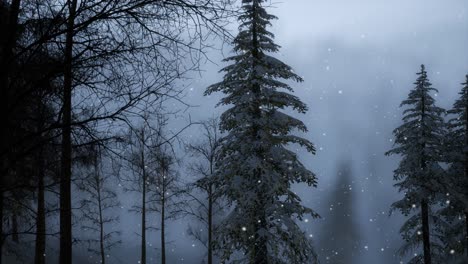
x: 205, y: 202
x: 97, y: 207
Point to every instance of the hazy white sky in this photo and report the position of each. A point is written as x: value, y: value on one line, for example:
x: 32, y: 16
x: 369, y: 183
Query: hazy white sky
x: 379, y: 20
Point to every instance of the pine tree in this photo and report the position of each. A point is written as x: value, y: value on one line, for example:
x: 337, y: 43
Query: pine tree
x: 255, y: 170
x: 457, y: 184
x: 419, y: 142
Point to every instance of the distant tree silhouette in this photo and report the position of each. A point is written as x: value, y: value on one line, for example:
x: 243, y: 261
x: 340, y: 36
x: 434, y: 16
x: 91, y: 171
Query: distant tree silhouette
x: 340, y: 237
x: 205, y: 201
x: 96, y: 207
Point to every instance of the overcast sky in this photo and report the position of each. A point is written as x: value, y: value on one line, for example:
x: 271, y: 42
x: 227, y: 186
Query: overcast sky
x: 358, y: 59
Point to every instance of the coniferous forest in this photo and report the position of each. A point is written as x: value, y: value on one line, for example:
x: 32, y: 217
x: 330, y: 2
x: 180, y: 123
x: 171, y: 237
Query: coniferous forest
x: 233, y: 131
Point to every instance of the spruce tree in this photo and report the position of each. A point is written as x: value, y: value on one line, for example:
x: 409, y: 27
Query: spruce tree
x: 255, y: 169
x: 457, y: 184
x: 418, y: 140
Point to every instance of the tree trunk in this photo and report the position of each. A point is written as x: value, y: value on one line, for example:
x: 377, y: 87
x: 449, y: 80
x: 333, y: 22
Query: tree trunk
x: 14, y: 223
x: 260, y: 246
x: 466, y: 233
x: 260, y: 249
x: 1, y: 225
x: 143, y: 209
x: 425, y: 231
x: 163, y: 226
x: 40, y: 220
x: 210, y: 224
x: 101, y: 222
x: 424, y: 205
x: 65, y: 181
x: 40, y: 243
x: 5, y: 62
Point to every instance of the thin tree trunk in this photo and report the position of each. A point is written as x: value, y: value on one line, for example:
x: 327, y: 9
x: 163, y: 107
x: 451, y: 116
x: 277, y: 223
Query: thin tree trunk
x: 143, y: 208
x: 40, y: 220
x: 101, y: 230
x: 65, y: 181
x: 163, y: 226
x: 101, y: 222
x: 425, y: 230
x: 210, y: 224
x: 21, y: 174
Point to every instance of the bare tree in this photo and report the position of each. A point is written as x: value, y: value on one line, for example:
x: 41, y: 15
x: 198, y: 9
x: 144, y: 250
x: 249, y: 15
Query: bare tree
x: 137, y: 179
x: 98, y: 206
x: 115, y: 54
x: 166, y: 188
x: 205, y: 201
x: 150, y: 163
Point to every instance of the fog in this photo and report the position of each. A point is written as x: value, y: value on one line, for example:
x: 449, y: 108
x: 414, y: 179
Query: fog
x: 358, y: 59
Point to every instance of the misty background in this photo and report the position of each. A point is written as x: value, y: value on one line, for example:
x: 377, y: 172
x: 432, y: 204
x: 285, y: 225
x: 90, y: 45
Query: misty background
x: 358, y: 60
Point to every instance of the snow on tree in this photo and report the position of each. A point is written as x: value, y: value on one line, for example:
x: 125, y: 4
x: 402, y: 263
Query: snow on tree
x: 456, y: 184
x: 255, y: 169
x: 419, y: 142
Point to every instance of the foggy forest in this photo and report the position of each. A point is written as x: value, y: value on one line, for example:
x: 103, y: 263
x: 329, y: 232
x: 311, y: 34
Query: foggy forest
x: 234, y: 131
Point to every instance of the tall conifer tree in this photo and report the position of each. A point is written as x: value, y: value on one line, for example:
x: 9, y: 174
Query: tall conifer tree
x: 418, y: 141
x: 457, y: 184
x: 255, y: 170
